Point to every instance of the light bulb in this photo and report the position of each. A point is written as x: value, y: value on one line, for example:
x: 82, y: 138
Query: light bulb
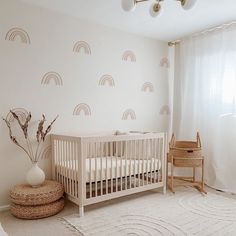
x: 188, y: 4
x: 128, y: 5
x: 155, y: 9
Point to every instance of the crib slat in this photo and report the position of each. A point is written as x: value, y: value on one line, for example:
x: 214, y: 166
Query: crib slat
x: 89, y: 156
x: 61, y: 159
x: 67, y: 166
x: 126, y: 153
x: 96, y: 169
x: 55, y: 156
x: 143, y: 153
x: 106, y: 155
x: 146, y: 153
x: 139, y: 162
x: 101, y: 167
x: 111, y: 172
x: 116, y: 156
x: 121, y: 163
x: 162, y: 160
x: 63, y: 165
x: 78, y: 151
x: 72, y: 168
x: 152, y: 161
x: 155, y: 159
x: 130, y: 164
x: 135, y: 162
x: 58, y: 162
x: 159, y: 158
x: 76, y: 170
x: 159, y: 153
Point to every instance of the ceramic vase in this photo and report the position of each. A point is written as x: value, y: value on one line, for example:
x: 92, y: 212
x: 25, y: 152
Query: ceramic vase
x: 35, y: 176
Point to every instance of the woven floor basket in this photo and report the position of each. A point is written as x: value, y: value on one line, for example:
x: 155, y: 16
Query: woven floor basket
x: 25, y: 195
x: 37, y: 212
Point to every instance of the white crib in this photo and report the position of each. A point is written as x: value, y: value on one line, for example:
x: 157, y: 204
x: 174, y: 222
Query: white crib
x: 95, y: 169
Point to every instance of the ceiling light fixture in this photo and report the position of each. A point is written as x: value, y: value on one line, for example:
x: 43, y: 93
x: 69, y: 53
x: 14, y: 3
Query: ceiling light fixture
x: 155, y: 8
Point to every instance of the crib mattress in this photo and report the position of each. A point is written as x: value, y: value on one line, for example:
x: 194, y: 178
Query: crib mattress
x: 103, y: 168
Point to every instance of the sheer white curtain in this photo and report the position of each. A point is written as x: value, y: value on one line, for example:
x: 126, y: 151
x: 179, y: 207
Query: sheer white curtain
x: 206, y: 101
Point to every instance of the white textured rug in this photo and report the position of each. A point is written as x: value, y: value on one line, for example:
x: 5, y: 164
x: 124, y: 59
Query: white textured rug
x: 2, y: 232
x: 152, y: 214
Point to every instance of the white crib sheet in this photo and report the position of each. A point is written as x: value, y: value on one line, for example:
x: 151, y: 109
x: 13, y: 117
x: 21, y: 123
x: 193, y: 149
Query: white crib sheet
x: 109, y: 168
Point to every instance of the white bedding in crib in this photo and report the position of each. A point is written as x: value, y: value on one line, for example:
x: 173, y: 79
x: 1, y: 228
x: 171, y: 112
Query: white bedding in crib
x: 110, y: 167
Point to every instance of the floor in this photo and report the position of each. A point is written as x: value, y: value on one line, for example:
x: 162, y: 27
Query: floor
x: 52, y: 225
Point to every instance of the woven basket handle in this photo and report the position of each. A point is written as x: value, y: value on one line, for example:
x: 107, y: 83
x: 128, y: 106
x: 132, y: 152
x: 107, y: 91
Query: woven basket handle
x: 172, y: 141
x: 198, y: 140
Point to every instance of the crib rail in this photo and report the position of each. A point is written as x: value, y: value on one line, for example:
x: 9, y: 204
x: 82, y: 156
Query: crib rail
x: 94, y: 169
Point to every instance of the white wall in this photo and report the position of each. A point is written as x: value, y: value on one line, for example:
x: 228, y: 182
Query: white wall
x: 52, y: 37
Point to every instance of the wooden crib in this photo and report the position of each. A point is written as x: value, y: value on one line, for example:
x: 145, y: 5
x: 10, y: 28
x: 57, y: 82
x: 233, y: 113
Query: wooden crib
x: 99, y: 168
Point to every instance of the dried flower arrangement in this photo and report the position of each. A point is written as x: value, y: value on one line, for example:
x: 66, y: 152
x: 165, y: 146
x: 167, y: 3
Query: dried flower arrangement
x: 34, y: 155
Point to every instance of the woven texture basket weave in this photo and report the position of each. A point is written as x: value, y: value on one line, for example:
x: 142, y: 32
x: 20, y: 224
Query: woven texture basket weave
x: 37, y: 212
x: 25, y: 195
x: 35, y: 203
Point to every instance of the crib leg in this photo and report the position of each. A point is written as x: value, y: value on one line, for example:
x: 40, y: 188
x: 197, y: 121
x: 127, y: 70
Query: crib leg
x: 164, y: 189
x: 81, y: 211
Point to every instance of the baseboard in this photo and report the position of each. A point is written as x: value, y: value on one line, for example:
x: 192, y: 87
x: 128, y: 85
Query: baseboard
x: 4, y: 208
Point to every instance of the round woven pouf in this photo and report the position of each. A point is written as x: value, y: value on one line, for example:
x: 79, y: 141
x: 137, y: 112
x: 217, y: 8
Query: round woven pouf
x: 35, y: 203
x: 37, y: 212
x: 48, y: 192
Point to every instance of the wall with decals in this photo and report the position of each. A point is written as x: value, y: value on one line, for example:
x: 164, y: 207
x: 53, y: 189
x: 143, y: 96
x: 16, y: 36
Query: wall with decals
x: 95, y: 78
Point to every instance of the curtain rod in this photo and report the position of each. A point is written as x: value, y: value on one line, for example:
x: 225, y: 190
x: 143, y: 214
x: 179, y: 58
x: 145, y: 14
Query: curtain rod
x: 173, y: 43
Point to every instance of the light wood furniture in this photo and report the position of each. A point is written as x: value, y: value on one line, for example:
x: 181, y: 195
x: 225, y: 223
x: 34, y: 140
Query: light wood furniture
x: 35, y: 203
x: 99, y: 168
x: 185, y: 154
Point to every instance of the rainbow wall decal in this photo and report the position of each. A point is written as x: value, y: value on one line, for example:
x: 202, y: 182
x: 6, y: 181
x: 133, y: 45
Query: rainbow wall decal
x: 165, y: 110
x: 82, y: 107
x: 52, y: 76
x: 129, y: 56
x: 165, y: 62
x: 82, y: 45
x: 107, y: 79
x: 129, y: 113
x: 21, y: 112
x: 47, y: 152
x: 15, y: 33
x: 147, y: 87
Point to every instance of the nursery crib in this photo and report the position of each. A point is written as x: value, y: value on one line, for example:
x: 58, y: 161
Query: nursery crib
x: 99, y: 168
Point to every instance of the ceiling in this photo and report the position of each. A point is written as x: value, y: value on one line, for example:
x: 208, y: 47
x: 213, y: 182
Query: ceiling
x: 174, y: 22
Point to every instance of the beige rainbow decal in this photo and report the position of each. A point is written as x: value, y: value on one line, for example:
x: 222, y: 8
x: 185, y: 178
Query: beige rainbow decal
x: 82, y: 45
x: 15, y: 33
x: 165, y: 110
x: 82, y: 107
x: 165, y: 62
x: 147, y: 87
x: 21, y: 112
x: 47, y: 152
x: 129, y: 56
x: 129, y: 113
x: 107, y: 79
x: 52, y: 76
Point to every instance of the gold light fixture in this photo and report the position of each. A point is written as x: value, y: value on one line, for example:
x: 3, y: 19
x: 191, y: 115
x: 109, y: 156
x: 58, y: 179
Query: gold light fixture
x: 155, y: 8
